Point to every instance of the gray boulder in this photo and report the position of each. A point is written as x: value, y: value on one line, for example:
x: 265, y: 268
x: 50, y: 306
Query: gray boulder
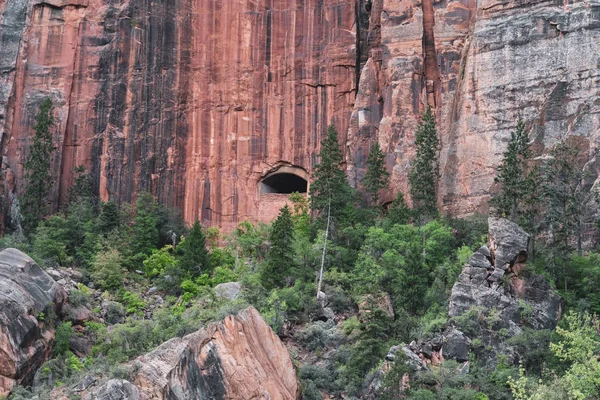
x: 456, y: 345
x: 502, y: 299
x: 507, y: 242
x: 28, y: 297
x: 116, y: 389
x: 228, y: 290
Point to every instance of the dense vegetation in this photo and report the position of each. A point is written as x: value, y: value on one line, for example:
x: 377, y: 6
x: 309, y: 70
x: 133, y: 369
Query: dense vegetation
x: 367, y: 253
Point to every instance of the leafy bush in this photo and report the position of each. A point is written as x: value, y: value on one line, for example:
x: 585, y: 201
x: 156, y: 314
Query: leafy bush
x: 223, y: 274
x: 106, y: 269
x: 319, y: 335
x: 133, y: 302
x: 80, y: 296
x: 64, y: 331
x: 115, y: 313
x: 159, y: 261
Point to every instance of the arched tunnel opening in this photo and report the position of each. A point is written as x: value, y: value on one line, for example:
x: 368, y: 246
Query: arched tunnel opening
x: 283, y: 183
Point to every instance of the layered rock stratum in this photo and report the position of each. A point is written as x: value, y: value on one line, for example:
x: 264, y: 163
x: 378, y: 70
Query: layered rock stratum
x: 29, y: 303
x: 238, y: 358
x: 197, y: 100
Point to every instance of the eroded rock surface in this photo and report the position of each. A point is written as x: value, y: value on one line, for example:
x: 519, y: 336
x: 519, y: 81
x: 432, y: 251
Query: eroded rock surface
x: 238, y: 358
x: 168, y: 98
x: 28, y: 299
x: 495, y: 296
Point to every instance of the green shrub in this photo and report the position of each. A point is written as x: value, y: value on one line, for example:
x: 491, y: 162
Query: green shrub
x: 222, y: 275
x: 133, y: 302
x: 115, y: 312
x: 80, y: 296
x: 64, y: 331
x: 106, y: 269
x: 319, y: 335
x: 159, y: 261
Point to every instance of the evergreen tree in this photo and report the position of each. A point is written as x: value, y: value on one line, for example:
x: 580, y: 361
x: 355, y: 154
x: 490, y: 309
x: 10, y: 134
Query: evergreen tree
x: 145, y: 232
x: 109, y: 217
x: 424, y: 174
x: 34, y: 204
x: 377, y: 176
x: 329, y: 191
x: 516, y: 179
x: 568, y: 199
x: 194, y: 257
x: 280, y: 258
x: 82, y: 188
x: 399, y: 213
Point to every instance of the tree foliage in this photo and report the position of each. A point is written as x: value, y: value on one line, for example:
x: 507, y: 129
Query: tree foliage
x: 516, y: 178
x: 194, y: 260
x: 145, y: 231
x: 424, y: 173
x: 377, y: 177
x: 281, y: 257
x: 329, y: 188
x: 568, y: 198
x: 37, y: 167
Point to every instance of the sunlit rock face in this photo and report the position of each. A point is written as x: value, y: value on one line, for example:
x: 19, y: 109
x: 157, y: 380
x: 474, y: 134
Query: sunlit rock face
x: 240, y: 358
x: 193, y: 100
x: 197, y: 101
x: 29, y: 302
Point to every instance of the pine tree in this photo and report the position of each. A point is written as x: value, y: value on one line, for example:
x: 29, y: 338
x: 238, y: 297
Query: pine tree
x: 424, y: 174
x: 569, y: 202
x: 399, y: 213
x: 329, y: 189
x: 516, y: 179
x: 194, y: 256
x: 109, y: 217
x: 280, y: 258
x: 377, y: 176
x: 34, y: 203
x: 82, y: 188
x: 145, y: 232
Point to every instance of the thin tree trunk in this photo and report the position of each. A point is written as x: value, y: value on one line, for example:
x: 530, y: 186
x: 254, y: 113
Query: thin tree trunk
x: 324, y: 248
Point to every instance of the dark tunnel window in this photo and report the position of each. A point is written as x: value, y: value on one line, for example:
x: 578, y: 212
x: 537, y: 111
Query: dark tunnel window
x: 283, y: 183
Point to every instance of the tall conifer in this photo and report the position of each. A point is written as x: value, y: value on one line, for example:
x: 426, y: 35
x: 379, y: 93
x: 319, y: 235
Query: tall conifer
x: 424, y: 173
x: 377, y: 177
x: 515, y: 177
x: 36, y: 170
x: 329, y: 190
x: 194, y: 259
x: 280, y: 258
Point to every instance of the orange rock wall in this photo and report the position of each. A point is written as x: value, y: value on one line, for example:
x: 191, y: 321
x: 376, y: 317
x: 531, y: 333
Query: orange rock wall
x: 193, y: 100
x: 196, y: 100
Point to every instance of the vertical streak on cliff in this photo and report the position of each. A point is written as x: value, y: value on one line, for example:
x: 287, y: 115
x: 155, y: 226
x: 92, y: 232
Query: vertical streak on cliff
x: 430, y: 68
x: 68, y: 156
x: 358, y: 41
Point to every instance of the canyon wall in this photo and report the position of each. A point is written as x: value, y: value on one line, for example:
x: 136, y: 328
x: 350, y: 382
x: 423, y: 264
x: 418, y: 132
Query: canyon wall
x: 197, y: 100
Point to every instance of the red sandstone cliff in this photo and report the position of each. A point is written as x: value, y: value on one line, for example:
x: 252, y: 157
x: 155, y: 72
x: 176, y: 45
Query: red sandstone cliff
x: 197, y: 100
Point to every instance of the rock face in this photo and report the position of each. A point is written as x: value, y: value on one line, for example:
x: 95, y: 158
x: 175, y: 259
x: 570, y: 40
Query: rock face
x: 116, y: 389
x: 495, y: 296
x: 28, y: 296
x: 198, y: 100
x: 500, y: 284
x: 228, y: 290
x: 238, y: 358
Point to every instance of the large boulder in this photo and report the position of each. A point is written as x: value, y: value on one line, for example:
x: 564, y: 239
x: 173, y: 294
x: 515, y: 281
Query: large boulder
x: 28, y: 299
x: 238, y: 358
x: 499, y: 294
x: 115, y: 389
x: 228, y: 290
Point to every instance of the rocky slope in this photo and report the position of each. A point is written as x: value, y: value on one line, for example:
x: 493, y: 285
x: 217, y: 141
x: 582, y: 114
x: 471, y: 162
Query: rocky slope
x: 197, y: 100
x: 238, y: 358
x: 494, y: 300
x: 29, y: 303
